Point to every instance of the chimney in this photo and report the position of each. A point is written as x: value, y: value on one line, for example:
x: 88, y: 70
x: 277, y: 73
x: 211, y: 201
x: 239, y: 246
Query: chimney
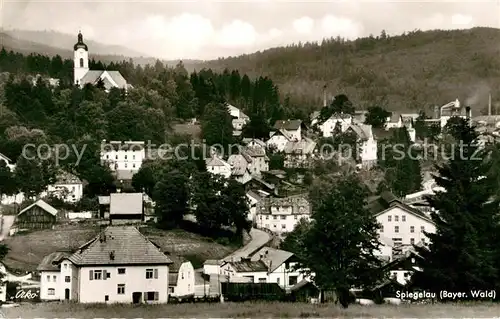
x: 324, y: 96
x: 489, y: 105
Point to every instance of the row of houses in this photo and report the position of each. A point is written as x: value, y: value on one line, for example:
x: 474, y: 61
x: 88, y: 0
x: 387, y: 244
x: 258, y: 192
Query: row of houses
x: 122, y: 265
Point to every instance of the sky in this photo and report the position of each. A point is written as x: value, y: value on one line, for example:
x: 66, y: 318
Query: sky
x: 209, y: 29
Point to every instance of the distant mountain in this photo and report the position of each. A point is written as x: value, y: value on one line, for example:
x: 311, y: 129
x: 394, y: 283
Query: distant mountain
x: 52, y: 43
x: 407, y: 72
x: 66, y: 41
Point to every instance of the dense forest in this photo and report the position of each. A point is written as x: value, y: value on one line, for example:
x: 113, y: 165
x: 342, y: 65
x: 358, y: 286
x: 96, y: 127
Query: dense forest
x: 412, y: 71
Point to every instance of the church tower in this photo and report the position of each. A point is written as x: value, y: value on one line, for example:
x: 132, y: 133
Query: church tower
x: 81, y: 60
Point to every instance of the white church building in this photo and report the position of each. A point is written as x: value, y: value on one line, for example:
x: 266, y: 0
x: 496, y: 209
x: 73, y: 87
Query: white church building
x: 83, y: 75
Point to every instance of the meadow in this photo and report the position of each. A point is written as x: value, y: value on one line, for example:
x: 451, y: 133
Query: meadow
x: 253, y: 310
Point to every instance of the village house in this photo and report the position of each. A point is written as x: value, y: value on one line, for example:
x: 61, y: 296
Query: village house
x: 245, y: 270
x: 119, y: 265
x: 241, y: 165
x: 260, y: 161
x: 123, y: 156
x: 212, y: 266
x: 399, y: 120
x: 403, y: 266
x: 252, y: 142
x: 283, y: 132
x: 253, y: 198
x: 218, y: 166
x: 403, y: 224
x: 181, y: 280
x: 367, y: 144
x: 239, y: 118
x: 50, y: 276
x: 280, y: 215
x: 38, y: 215
x: 126, y: 208
x: 328, y: 126
x: 281, y: 266
x: 82, y: 75
x: 299, y: 154
x: 67, y: 187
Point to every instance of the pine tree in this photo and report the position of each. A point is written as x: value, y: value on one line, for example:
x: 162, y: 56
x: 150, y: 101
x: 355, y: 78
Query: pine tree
x: 461, y: 255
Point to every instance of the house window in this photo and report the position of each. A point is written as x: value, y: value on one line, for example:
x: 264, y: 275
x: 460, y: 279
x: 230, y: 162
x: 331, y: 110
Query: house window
x: 67, y: 279
x: 151, y: 273
x: 267, y: 217
x: 133, y: 165
x: 97, y: 274
x: 412, y: 229
x: 403, y: 218
x: 81, y: 62
x: 275, y: 226
x: 262, y: 280
x: 116, y: 156
x: 107, y: 156
x: 412, y: 241
x: 125, y: 156
x: 152, y: 295
x: 389, y: 218
x: 51, y: 292
x: 48, y: 278
x: 292, y: 280
x: 54, y: 278
x: 283, y: 217
x: 382, y: 229
x: 296, y: 217
x: 121, y: 289
x: 106, y: 298
x: 396, y: 218
x: 267, y: 225
x: 121, y: 271
x: 422, y: 228
x: 396, y: 229
x: 260, y: 217
x: 278, y: 281
x: 182, y: 275
x: 170, y: 290
x: 275, y: 217
x: 283, y: 226
x: 65, y: 266
x: 133, y: 157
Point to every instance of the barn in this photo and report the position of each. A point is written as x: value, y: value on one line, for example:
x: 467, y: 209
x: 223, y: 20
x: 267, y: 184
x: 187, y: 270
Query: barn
x: 38, y: 215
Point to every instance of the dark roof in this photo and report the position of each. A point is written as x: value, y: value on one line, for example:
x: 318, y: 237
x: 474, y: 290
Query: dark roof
x: 272, y: 258
x: 249, y: 266
x: 289, y: 125
x: 51, y: 262
x: 213, y: 262
x: 378, y: 204
x: 80, y: 43
x: 119, y: 245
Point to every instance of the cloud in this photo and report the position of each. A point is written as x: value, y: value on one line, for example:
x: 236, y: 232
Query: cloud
x: 303, y: 25
x: 333, y: 26
x: 461, y: 20
x: 237, y: 34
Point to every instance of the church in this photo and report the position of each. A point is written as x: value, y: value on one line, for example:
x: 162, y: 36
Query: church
x: 83, y: 75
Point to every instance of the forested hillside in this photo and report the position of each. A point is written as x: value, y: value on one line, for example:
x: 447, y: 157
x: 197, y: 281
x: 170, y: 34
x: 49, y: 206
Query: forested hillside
x: 413, y: 70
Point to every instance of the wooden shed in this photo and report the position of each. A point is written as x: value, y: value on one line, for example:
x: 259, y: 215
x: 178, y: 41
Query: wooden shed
x: 38, y: 215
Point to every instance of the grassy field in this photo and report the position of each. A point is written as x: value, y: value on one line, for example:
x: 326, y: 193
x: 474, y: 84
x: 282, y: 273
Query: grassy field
x: 253, y: 310
x: 27, y: 250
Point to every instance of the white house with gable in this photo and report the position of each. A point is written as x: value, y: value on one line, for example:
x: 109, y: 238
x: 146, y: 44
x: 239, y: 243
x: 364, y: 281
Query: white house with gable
x: 327, y: 127
x: 239, y: 118
x: 218, y: 166
x: 402, y: 224
x: 120, y: 265
x: 82, y: 74
x: 367, y: 143
x: 67, y: 187
x: 181, y: 283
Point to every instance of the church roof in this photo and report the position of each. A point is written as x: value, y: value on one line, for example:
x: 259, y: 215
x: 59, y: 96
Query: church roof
x: 92, y: 76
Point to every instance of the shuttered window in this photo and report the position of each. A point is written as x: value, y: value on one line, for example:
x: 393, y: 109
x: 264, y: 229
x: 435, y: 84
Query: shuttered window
x: 156, y: 273
x: 91, y: 275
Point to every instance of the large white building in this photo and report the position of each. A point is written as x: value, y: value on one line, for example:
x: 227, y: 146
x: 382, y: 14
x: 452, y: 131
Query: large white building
x: 119, y: 265
x: 284, y: 132
x: 123, y: 156
x: 280, y: 215
x: 402, y: 224
x: 83, y: 75
x: 327, y: 127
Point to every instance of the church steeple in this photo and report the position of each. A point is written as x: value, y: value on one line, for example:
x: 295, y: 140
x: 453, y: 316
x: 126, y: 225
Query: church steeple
x: 80, y: 44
